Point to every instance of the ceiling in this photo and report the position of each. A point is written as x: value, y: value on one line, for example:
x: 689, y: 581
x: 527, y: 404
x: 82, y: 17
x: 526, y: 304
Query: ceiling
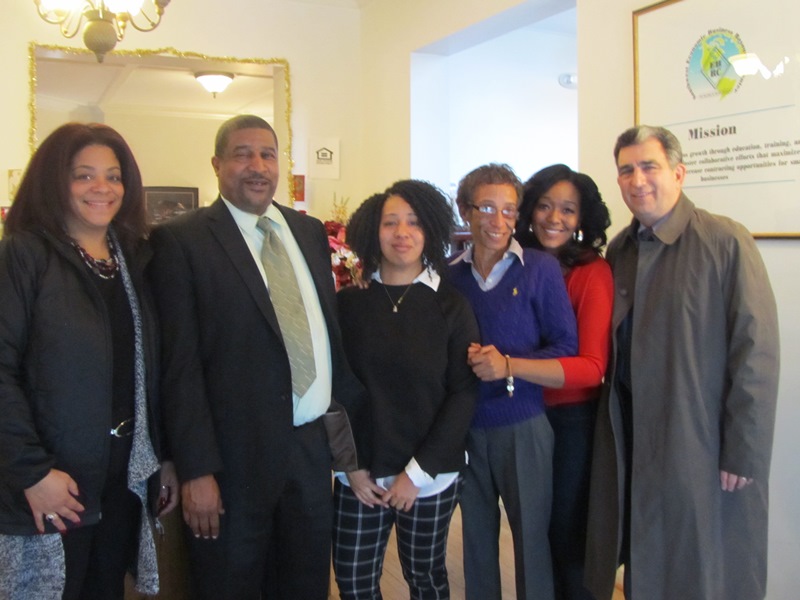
x: 165, y: 85
x: 149, y: 84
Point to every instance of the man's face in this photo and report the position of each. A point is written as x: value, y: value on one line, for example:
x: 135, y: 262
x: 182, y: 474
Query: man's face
x: 649, y: 186
x: 247, y: 171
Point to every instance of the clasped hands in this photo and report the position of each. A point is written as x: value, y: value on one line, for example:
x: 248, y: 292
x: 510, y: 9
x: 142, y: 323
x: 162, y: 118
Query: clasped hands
x: 486, y: 361
x: 401, y: 495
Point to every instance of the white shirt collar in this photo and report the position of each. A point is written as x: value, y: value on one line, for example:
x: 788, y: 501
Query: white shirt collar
x: 247, y: 221
x: 428, y: 277
x: 514, y: 249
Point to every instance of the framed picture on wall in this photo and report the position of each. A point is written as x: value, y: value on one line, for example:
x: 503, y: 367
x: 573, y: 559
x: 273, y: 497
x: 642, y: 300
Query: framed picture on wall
x: 165, y: 202
x: 727, y: 84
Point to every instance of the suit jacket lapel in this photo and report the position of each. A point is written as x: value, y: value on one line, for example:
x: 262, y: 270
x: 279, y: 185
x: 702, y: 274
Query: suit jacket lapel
x: 225, y: 229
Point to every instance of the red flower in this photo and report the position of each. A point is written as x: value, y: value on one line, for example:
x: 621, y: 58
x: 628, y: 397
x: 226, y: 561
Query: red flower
x: 344, y: 263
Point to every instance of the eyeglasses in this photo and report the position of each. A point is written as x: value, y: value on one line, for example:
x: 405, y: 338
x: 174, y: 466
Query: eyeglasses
x: 488, y: 210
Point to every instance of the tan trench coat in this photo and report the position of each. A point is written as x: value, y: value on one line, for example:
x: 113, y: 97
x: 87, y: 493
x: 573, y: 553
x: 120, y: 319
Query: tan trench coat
x: 704, y: 379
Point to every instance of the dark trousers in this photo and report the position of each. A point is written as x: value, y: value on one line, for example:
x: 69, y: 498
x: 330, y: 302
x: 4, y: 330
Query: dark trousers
x: 97, y: 556
x: 277, y: 549
x: 573, y: 428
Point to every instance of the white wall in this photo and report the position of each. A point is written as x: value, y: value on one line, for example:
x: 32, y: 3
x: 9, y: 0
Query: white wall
x: 497, y: 101
x: 605, y: 109
x: 392, y: 33
x: 506, y: 104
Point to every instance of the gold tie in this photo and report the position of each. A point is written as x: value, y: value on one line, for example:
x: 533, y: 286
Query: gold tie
x: 288, y: 303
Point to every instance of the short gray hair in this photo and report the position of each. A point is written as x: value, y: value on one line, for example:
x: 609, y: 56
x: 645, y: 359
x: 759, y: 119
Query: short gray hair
x: 641, y: 133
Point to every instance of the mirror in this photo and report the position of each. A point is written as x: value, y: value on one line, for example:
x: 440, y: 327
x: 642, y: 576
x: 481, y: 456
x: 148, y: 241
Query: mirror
x: 152, y: 98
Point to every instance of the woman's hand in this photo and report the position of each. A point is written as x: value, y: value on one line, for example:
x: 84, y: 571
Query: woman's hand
x: 402, y: 494
x: 169, y: 494
x: 364, y: 487
x: 486, y: 362
x: 54, y: 498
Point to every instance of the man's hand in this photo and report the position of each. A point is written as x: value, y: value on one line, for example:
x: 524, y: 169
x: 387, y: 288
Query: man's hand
x: 202, y: 506
x: 54, y: 498
x: 731, y: 482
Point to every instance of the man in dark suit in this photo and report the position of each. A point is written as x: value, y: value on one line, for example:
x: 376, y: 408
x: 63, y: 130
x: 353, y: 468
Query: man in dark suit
x: 251, y: 452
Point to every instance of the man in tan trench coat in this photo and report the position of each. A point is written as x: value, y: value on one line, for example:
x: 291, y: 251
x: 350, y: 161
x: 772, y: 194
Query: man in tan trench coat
x: 684, y: 433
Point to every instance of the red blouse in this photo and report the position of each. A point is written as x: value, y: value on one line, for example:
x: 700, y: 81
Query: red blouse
x: 591, y: 292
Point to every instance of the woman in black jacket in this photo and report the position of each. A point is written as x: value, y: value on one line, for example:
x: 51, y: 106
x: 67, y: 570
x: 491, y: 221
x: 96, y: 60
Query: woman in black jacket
x: 78, y: 358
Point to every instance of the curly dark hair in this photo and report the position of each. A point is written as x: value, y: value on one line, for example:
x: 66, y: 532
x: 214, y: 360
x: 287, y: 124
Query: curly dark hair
x: 42, y: 200
x: 491, y: 174
x: 594, y: 217
x: 433, y: 212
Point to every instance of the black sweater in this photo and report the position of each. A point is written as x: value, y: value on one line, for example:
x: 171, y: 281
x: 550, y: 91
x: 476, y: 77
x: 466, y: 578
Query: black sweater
x: 413, y: 363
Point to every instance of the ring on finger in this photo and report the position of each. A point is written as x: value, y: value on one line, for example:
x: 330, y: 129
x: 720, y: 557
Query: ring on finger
x: 51, y: 517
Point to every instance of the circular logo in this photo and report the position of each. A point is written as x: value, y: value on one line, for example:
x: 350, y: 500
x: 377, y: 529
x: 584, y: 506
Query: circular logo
x: 709, y: 72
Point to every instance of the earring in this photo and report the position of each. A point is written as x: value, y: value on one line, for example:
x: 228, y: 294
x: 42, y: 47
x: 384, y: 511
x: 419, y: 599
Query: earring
x: 530, y: 227
x: 578, y: 236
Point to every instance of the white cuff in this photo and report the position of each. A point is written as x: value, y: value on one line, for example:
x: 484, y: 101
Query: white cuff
x: 417, y: 476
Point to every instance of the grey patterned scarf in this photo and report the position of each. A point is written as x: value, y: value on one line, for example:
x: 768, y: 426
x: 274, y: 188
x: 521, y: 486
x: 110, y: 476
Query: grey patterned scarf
x: 143, y: 462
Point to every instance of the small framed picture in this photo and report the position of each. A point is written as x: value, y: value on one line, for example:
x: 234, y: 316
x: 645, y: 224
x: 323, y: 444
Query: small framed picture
x: 165, y: 202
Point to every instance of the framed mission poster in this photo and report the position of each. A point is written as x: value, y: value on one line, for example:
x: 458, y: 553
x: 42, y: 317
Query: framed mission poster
x: 725, y: 79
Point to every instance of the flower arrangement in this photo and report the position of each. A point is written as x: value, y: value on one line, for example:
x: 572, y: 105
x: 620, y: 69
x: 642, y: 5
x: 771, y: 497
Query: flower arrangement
x: 344, y: 262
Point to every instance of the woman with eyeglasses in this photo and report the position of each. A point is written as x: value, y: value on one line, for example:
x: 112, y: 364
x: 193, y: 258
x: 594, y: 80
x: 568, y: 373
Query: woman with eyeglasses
x: 524, y: 316
x: 563, y: 214
x: 78, y: 376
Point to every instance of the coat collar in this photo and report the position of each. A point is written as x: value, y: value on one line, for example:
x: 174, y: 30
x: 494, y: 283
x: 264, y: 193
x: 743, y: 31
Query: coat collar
x: 670, y: 229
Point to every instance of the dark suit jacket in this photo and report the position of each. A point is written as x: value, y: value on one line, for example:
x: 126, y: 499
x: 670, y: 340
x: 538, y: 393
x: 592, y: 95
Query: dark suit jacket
x: 226, y: 380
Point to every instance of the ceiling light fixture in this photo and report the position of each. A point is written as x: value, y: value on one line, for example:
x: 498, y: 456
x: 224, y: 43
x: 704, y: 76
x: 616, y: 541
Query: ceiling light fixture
x: 106, y: 20
x: 214, y: 81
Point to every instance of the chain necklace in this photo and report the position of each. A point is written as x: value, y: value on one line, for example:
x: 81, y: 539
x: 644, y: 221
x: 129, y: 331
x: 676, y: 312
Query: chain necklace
x: 105, y: 268
x: 400, y: 300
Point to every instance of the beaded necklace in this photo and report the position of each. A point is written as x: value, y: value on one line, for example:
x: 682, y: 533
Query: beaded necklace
x: 105, y: 268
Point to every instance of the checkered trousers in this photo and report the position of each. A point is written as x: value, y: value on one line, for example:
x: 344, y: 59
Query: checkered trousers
x: 361, y: 533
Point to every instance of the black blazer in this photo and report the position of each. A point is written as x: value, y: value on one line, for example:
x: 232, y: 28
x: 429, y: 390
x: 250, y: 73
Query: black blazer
x: 226, y: 381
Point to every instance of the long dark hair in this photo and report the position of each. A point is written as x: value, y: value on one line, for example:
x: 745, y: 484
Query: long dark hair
x: 433, y: 212
x: 594, y: 218
x: 42, y: 200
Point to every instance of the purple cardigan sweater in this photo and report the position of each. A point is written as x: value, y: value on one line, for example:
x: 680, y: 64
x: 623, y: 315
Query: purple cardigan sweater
x: 527, y: 314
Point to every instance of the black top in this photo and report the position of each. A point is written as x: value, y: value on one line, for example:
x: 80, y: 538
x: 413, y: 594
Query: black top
x: 123, y: 339
x: 414, y: 365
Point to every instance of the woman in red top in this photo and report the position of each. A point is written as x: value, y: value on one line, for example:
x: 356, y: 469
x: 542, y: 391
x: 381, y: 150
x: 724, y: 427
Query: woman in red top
x: 563, y: 213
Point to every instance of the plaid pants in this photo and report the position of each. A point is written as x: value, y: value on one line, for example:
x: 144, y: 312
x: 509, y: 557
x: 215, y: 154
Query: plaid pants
x: 361, y: 533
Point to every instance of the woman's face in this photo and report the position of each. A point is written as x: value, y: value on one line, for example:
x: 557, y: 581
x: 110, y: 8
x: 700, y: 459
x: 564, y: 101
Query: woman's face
x: 491, y: 229
x: 557, y: 215
x: 96, y: 191
x: 401, y: 238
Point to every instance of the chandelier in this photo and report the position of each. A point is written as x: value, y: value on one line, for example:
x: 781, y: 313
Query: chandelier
x: 106, y: 20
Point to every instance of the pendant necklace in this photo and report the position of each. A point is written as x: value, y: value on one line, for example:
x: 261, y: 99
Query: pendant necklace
x: 400, y: 300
